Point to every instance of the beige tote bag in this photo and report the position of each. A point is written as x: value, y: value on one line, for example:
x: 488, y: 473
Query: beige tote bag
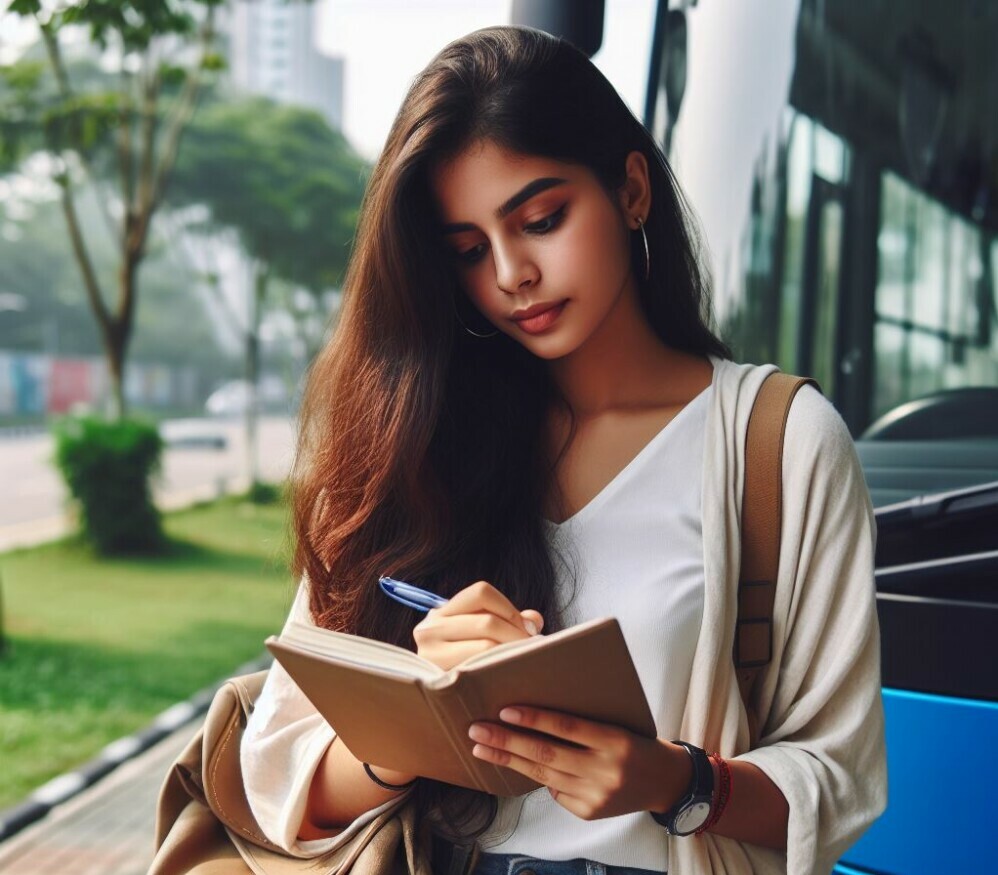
x: 204, y: 825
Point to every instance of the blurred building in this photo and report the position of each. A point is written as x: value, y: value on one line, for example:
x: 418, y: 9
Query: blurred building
x: 273, y: 52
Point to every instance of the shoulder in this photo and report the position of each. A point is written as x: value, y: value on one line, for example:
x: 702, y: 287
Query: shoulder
x: 817, y: 445
x: 820, y: 463
x: 814, y: 423
x: 816, y: 439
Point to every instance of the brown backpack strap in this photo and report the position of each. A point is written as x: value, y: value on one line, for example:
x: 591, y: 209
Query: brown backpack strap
x: 761, y: 520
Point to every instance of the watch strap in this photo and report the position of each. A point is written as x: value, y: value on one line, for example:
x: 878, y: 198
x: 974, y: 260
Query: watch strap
x: 701, y: 787
x: 702, y: 782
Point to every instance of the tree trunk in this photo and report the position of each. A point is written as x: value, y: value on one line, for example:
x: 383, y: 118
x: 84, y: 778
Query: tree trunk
x: 119, y: 332
x: 115, y: 350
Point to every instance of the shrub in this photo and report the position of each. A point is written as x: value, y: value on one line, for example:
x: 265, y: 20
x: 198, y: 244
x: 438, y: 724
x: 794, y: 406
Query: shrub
x: 263, y: 493
x: 108, y: 467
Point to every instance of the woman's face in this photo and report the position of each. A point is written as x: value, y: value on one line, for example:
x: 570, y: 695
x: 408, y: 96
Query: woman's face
x: 538, y: 245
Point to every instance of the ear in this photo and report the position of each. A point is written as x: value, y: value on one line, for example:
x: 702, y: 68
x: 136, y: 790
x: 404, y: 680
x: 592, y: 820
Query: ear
x: 635, y: 193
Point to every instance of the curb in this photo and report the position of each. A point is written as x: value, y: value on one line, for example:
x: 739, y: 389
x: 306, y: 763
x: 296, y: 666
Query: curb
x: 21, y: 431
x: 64, y: 787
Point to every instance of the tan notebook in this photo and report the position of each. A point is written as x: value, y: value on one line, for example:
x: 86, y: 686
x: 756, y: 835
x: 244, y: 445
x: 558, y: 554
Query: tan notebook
x: 396, y: 710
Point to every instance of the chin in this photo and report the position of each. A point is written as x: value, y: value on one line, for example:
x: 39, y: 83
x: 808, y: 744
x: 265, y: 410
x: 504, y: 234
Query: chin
x: 550, y: 348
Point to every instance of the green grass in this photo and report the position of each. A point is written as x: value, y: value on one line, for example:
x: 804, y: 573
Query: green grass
x: 96, y: 647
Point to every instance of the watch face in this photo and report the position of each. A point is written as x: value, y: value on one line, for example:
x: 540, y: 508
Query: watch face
x: 691, y: 819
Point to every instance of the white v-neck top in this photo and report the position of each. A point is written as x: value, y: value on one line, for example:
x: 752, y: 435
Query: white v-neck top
x: 634, y: 552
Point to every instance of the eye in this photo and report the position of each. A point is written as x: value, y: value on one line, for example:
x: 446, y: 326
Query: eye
x: 548, y: 223
x: 470, y: 256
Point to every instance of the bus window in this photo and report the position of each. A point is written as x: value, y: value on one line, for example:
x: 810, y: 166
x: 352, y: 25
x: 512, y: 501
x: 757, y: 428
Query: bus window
x: 812, y: 224
x: 934, y: 303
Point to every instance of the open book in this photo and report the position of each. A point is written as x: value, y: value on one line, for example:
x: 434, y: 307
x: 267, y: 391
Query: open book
x: 396, y: 710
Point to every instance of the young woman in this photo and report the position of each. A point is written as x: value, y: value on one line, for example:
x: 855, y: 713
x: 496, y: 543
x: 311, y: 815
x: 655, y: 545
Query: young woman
x: 523, y: 408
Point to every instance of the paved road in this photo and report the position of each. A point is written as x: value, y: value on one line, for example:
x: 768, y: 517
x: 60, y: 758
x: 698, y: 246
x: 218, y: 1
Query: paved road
x: 34, y: 497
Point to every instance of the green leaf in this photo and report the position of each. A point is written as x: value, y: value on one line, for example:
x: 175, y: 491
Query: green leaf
x: 215, y: 62
x: 24, y: 7
x: 172, y: 75
x: 23, y: 76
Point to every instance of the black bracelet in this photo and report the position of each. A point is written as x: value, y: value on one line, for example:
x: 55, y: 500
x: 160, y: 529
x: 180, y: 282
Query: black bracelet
x: 385, y: 784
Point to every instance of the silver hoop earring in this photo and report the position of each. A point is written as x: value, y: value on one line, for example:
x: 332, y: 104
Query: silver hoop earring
x: 472, y: 333
x: 644, y: 237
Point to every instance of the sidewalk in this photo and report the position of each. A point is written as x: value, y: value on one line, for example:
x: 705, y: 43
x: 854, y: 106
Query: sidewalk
x: 33, y: 533
x: 105, y: 830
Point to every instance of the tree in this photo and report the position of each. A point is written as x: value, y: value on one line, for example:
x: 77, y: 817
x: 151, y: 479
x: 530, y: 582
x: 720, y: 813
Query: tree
x: 164, y: 50
x: 289, y: 186
x: 173, y: 320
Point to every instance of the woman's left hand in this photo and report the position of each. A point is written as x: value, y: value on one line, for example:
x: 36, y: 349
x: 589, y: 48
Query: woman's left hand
x: 594, y: 770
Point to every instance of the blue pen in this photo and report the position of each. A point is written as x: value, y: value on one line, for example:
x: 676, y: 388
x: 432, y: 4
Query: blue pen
x: 409, y: 595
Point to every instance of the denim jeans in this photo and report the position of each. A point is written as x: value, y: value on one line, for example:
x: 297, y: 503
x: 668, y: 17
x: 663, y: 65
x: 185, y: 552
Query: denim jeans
x: 516, y: 864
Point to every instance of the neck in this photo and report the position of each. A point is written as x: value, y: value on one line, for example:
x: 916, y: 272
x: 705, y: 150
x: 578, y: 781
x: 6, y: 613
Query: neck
x: 623, y: 364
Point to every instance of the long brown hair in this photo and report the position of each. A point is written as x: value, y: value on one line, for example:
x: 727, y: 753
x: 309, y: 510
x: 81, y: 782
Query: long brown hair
x: 419, y: 449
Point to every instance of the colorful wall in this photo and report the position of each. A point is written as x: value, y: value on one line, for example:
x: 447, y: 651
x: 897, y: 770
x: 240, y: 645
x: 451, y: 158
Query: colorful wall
x: 33, y: 384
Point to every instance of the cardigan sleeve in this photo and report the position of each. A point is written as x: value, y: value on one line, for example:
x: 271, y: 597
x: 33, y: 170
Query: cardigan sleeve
x: 284, y: 741
x: 822, y: 736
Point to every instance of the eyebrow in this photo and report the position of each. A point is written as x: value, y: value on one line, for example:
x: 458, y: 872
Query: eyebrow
x: 522, y: 196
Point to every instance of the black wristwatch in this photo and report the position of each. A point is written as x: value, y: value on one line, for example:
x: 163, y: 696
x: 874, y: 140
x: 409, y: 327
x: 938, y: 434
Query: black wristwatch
x: 693, y: 808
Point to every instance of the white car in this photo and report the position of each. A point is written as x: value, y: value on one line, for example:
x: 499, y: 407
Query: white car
x: 233, y: 398
x: 193, y: 433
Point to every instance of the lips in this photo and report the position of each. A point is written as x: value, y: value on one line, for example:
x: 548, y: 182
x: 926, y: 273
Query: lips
x: 538, y: 317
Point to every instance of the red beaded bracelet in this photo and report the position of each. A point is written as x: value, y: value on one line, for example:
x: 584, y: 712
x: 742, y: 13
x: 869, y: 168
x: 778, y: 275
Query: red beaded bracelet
x: 722, y: 794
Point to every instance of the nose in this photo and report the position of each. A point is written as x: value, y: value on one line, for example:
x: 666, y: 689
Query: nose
x: 515, y: 270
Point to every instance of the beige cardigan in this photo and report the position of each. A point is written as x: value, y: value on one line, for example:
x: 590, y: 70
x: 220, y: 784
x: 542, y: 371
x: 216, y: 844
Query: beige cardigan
x: 821, y: 715
x: 821, y: 718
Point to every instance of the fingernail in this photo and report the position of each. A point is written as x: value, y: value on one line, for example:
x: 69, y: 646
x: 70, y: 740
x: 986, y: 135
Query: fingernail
x: 530, y: 626
x: 479, y: 733
x: 510, y: 715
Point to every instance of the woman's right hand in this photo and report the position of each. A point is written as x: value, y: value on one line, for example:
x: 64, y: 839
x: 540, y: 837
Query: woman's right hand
x: 477, y: 619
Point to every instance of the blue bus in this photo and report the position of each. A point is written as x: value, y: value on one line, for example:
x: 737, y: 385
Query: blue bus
x: 842, y: 158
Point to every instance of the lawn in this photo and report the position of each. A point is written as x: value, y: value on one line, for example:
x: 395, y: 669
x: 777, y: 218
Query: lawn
x: 96, y: 648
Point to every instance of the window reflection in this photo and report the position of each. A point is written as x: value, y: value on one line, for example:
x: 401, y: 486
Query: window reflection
x: 934, y: 300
